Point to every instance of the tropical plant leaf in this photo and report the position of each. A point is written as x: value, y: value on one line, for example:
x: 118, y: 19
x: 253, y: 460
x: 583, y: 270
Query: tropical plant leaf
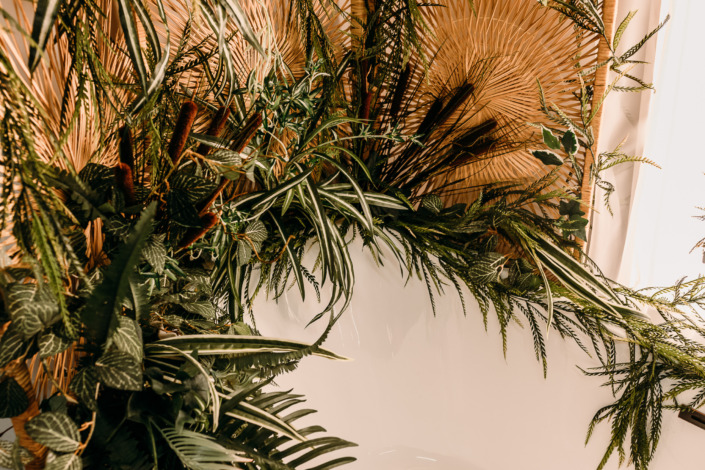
x: 8, y: 450
x: 12, y: 345
x: 54, y: 430
x: 31, y: 310
x: 51, y: 344
x: 100, y: 313
x: 66, y: 462
x: 200, y: 452
x: 127, y: 338
x: 154, y: 252
x: 120, y: 371
x: 13, y: 399
x: 85, y: 385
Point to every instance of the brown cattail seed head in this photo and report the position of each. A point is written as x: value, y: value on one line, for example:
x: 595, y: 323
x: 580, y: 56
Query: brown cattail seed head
x: 220, y: 119
x: 123, y: 177
x: 182, y: 129
x: 127, y: 155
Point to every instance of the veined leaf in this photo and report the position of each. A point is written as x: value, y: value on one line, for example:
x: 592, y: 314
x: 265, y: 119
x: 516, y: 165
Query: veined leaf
x: 51, y: 344
x: 85, y: 384
x: 7, y: 457
x: 154, y: 252
x: 120, y: 371
x: 54, y: 430
x: 127, y: 338
x: 31, y: 311
x: 66, y: 462
x: 13, y: 399
x: 12, y: 345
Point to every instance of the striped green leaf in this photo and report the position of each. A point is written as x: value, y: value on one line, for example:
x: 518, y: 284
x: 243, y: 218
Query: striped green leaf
x: 54, y: 430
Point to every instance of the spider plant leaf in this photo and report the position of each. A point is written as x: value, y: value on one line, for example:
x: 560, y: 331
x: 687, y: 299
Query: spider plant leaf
x: 149, y: 29
x: 44, y: 18
x: 239, y: 16
x: 223, y: 345
x: 295, y: 263
x: 132, y: 41
x: 200, y: 452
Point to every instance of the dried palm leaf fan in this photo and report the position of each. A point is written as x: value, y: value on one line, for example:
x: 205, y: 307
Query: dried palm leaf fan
x: 490, y: 63
x: 504, y: 50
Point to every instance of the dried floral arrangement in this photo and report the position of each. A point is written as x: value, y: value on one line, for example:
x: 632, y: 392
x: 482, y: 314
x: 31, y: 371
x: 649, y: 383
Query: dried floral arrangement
x: 163, y: 162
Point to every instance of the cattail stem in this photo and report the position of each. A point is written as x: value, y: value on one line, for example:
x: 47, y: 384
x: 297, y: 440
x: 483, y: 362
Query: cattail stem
x: 182, y: 129
x: 208, y: 221
x: 220, y: 119
x: 399, y: 92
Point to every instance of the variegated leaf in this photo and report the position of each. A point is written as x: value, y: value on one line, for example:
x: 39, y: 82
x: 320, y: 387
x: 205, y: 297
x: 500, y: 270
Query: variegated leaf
x: 84, y: 385
x: 12, y: 345
x: 13, y: 399
x: 54, y: 430
x: 119, y: 370
x: 65, y: 462
x: 51, y: 344
x: 487, y: 268
x: 127, y: 337
x: 256, y: 231
x: 203, y: 308
x: 155, y: 252
x: 30, y: 311
x: 7, y: 449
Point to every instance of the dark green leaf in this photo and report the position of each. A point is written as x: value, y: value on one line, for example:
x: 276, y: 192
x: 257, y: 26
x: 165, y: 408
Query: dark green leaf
x: 432, y: 203
x: 12, y: 345
x: 127, y: 338
x: 550, y: 140
x: 546, y: 157
x: 13, y: 399
x: 154, y: 252
x: 51, y: 344
x: 100, y: 311
x: 181, y: 210
x: 54, y: 430
x: 570, y: 142
x: 119, y: 370
x: 31, y: 311
x: 196, y: 188
x: 84, y: 384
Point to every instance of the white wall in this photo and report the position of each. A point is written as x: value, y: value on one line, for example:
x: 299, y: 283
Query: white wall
x: 437, y: 393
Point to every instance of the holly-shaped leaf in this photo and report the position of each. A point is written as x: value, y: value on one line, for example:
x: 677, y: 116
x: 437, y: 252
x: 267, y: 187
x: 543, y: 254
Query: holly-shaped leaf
x: 54, y: 430
x: 550, y: 140
x: 547, y: 158
x: 570, y: 142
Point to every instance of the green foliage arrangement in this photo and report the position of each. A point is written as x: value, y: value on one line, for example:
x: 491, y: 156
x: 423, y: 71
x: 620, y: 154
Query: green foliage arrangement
x: 161, y: 167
